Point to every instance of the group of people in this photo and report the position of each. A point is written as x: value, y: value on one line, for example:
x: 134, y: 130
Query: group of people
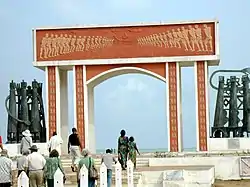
x: 127, y: 149
x: 41, y: 170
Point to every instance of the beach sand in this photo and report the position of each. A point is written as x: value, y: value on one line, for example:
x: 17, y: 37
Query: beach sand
x: 241, y: 183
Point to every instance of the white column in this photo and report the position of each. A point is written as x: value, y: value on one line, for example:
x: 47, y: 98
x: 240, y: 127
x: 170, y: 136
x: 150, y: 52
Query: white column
x: 86, y: 110
x: 74, y: 97
x: 179, y: 107
x: 64, y: 109
x: 167, y: 106
x: 58, y: 101
x: 207, y: 104
x: 47, y: 102
x: 92, y: 138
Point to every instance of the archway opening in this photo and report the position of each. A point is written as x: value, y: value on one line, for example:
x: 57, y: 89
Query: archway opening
x: 189, y: 128
x: 131, y: 101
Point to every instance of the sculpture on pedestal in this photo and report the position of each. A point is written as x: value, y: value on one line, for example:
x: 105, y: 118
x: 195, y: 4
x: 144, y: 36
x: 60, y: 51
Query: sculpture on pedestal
x: 232, y: 111
x: 25, y: 111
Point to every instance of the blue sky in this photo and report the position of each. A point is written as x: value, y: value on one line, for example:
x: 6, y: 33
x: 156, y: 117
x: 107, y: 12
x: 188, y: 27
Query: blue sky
x: 133, y: 102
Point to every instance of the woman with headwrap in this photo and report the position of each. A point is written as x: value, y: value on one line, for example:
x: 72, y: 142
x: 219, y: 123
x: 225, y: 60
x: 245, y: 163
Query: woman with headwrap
x: 123, y: 149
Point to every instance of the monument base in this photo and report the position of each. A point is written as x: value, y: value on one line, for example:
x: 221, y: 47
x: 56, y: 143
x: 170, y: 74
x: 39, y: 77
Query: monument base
x: 229, y: 144
x: 14, y: 149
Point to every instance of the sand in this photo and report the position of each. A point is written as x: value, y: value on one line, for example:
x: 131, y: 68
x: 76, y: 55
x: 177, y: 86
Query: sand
x: 240, y: 183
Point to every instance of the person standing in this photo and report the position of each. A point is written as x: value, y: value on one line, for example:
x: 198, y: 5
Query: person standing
x: 26, y: 141
x: 21, y: 161
x: 35, y: 164
x: 133, y: 150
x: 89, y: 163
x: 108, y: 160
x: 55, y: 142
x: 74, y: 147
x: 5, y: 169
x: 123, y: 149
x: 52, y: 164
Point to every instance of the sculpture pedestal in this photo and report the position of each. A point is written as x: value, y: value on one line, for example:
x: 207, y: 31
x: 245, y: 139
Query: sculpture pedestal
x: 14, y: 149
x: 229, y: 144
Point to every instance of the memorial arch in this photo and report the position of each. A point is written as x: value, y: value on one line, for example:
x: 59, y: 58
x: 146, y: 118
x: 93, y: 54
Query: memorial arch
x: 98, y: 74
x: 97, y: 53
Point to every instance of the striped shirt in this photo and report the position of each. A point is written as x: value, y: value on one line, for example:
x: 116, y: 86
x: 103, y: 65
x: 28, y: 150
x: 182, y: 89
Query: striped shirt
x: 5, y: 169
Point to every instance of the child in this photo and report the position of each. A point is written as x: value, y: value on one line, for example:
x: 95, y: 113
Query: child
x: 22, y: 162
x: 132, y: 150
x: 108, y: 160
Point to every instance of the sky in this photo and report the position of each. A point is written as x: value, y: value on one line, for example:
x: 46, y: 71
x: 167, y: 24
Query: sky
x: 132, y: 102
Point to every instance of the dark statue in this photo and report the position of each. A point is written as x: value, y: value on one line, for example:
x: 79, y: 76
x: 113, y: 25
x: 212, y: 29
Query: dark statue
x: 25, y: 111
x: 232, y: 111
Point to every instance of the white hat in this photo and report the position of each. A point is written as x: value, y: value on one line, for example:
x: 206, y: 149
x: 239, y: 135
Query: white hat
x: 26, y: 133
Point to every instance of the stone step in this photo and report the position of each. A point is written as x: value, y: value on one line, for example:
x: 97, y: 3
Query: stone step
x: 72, y: 178
x: 98, y: 160
x: 98, y: 164
x: 67, y: 167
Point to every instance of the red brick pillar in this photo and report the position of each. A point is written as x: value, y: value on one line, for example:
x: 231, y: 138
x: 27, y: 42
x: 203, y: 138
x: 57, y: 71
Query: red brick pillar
x: 51, y: 97
x: 79, y: 102
x: 173, y: 108
x: 202, y: 118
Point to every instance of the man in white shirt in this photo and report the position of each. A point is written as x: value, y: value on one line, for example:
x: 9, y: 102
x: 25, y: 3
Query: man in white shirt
x: 55, y: 142
x: 35, y: 164
x: 5, y: 169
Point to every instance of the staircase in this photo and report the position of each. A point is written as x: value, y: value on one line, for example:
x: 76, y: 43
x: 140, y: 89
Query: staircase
x: 142, y: 164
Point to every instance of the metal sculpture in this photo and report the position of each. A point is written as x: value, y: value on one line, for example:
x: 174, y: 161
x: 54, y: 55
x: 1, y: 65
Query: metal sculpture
x: 232, y: 111
x: 30, y: 112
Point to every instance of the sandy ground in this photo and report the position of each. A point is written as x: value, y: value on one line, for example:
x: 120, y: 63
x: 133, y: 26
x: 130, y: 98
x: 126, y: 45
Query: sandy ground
x: 242, y: 183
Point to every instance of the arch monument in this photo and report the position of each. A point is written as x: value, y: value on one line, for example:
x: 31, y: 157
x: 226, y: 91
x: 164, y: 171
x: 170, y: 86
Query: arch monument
x: 97, y: 53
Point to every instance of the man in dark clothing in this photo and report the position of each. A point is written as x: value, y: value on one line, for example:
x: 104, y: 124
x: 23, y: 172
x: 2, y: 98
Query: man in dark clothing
x: 74, y: 146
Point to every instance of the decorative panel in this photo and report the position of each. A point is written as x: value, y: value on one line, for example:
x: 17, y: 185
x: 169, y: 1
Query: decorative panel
x: 138, y: 41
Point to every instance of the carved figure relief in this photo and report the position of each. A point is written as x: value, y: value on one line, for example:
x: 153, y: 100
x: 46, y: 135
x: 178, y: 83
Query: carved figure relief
x: 190, y: 38
x: 53, y: 45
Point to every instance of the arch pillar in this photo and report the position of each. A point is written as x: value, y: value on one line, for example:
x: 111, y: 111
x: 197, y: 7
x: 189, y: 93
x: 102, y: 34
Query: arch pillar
x: 202, y: 109
x: 173, y: 105
x: 51, y: 100
x: 80, y: 103
x: 56, y: 97
x: 91, y: 124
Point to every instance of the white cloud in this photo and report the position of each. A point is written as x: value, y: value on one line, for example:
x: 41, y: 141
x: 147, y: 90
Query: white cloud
x: 132, y: 87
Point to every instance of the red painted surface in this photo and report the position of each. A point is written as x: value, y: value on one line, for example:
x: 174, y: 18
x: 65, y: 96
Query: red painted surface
x: 201, y: 91
x: 126, y: 42
x: 52, y: 99
x: 80, y: 103
x: 173, y: 112
x: 94, y: 70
